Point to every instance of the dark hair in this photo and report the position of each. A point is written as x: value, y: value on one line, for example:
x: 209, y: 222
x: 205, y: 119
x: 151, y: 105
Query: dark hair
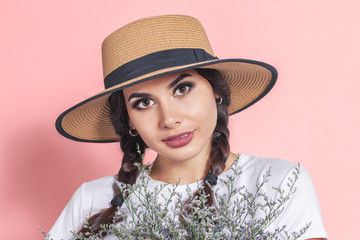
x: 128, y: 172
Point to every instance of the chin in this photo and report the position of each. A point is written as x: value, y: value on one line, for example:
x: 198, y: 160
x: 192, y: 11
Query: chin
x: 182, y: 153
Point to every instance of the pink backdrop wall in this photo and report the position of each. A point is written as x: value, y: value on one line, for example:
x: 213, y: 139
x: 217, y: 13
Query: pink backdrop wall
x: 50, y: 59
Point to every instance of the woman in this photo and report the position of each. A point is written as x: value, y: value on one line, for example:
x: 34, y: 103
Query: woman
x: 165, y: 90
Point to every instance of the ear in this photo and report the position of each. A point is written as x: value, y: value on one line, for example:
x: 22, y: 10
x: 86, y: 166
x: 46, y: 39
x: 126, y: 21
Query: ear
x: 216, y: 95
x: 131, y: 125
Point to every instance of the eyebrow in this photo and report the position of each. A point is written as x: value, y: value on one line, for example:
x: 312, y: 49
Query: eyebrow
x: 139, y: 95
x: 178, y: 79
x: 171, y: 85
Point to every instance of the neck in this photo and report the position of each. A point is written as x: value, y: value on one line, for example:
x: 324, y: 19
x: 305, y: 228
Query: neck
x: 180, y: 171
x: 185, y: 171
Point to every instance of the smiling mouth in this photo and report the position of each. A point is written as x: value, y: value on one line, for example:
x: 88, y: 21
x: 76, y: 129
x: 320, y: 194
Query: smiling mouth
x: 174, y: 138
x: 179, y: 140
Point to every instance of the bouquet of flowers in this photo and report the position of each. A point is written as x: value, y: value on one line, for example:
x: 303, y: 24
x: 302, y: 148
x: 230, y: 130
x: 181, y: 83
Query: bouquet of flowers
x: 234, y: 216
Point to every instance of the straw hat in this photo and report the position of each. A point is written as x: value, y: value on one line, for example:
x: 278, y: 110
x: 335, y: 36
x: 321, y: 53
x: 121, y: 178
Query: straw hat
x: 153, y: 47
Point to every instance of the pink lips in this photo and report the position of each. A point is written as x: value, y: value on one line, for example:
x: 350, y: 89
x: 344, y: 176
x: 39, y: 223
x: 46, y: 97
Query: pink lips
x: 179, y: 140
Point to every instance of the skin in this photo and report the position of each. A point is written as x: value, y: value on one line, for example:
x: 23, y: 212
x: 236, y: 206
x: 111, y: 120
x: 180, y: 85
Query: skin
x: 177, y: 103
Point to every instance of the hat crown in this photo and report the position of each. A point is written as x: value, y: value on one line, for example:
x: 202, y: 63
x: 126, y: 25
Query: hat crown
x: 151, y: 35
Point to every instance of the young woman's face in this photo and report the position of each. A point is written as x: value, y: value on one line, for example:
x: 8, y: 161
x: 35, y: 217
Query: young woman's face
x: 175, y: 114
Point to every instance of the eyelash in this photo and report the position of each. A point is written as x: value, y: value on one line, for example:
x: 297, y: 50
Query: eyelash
x: 136, y: 104
x: 188, y: 86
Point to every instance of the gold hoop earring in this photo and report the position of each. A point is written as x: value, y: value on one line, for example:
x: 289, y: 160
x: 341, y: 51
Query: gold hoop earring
x: 133, y: 132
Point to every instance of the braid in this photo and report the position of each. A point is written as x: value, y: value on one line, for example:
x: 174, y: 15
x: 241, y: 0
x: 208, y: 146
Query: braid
x: 220, y: 148
x: 128, y: 144
x: 128, y: 172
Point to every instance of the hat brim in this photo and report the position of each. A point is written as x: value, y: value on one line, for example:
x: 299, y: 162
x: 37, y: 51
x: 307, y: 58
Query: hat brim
x: 89, y: 121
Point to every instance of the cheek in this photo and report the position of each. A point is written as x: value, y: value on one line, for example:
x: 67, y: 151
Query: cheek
x: 141, y: 122
x: 138, y: 119
x: 211, y: 117
x: 204, y: 113
x: 145, y: 124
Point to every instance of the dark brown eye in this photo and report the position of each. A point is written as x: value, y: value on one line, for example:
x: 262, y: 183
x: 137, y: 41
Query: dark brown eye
x: 182, y: 90
x: 145, y: 103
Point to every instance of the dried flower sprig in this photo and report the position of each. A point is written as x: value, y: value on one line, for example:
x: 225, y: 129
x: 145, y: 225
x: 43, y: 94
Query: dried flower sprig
x: 234, y: 216
x: 161, y: 213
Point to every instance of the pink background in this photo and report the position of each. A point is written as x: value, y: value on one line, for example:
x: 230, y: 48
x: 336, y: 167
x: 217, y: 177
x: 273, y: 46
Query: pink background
x: 50, y: 59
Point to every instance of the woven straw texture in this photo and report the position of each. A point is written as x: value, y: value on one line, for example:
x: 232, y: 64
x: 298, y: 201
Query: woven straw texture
x: 152, y: 35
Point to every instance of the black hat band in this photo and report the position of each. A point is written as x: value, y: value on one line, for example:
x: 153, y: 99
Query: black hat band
x: 154, y: 62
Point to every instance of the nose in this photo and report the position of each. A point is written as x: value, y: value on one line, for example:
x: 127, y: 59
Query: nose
x: 171, y: 115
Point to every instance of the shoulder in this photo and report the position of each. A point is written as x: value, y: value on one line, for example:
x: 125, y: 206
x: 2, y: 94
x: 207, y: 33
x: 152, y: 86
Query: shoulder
x: 303, y: 206
x: 98, y: 193
x: 281, y: 170
x: 253, y: 168
x: 91, y: 197
x: 255, y: 162
x: 88, y: 199
x: 98, y: 184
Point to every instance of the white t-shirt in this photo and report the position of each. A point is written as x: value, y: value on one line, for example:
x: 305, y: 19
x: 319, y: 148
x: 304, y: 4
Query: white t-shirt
x: 302, y: 208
